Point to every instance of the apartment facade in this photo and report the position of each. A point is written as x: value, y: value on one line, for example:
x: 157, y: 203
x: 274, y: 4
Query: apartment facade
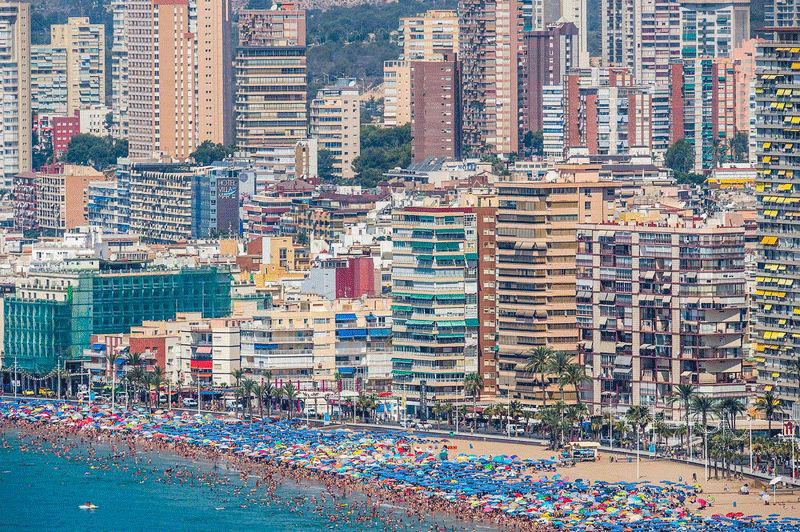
x: 704, y: 95
x: 427, y: 36
x: 119, y: 70
x: 15, y: 106
x: 270, y: 70
x: 776, y: 331
x: 336, y: 124
x: 84, y: 45
x: 660, y: 306
x: 435, y: 325
x: 549, y: 55
x: 62, y: 195
x: 713, y: 28
x: 396, y: 92
x: 436, y: 109
x: 48, y: 80
x: 187, y: 43
x: 53, y: 313
x: 536, y: 272
x: 489, y: 46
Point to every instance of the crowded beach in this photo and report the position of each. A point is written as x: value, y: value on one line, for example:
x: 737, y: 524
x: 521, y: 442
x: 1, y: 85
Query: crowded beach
x: 424, y: 476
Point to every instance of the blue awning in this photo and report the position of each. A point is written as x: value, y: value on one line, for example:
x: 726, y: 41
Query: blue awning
x: 380, y: 332
x: 346, y: 317
x: 99, y: 347
x: 351, y: 333
x: 119, y: 361
x: 345, y: 371
x: 265, y: 346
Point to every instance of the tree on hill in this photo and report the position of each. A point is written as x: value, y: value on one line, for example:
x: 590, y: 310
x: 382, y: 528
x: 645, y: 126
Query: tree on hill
x: 208, y: 152
x: 381, y: 150
x: 91, y: 150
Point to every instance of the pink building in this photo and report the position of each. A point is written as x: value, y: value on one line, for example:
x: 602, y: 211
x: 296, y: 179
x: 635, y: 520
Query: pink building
x: 64, y: 128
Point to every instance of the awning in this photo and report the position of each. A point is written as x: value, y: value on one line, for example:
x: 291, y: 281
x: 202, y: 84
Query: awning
x: 346, y: 317
x: 583, y: 294
x: 203, y: 350
x: 471, y: 322
x: 540, y: 313
x: 345, y: 371
x: 380, y: 332
x: 647, y: 275
x: 351, y: 333
x: 99, y: 347
x: 721, y: 366
x: 623, y: 360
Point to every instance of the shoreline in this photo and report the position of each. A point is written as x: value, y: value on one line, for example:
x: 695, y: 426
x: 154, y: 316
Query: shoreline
x: 314, y: 457
x: 269, y: 477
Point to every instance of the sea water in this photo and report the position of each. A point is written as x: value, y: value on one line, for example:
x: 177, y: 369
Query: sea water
x: 41, y: 492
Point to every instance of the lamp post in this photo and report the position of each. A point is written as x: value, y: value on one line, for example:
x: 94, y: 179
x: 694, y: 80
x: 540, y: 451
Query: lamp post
x: 750, y: 445
x: 638, y: 444
x: 16, y: 376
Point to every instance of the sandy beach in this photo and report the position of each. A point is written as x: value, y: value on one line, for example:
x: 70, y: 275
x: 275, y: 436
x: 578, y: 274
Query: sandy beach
x: 620, y: 470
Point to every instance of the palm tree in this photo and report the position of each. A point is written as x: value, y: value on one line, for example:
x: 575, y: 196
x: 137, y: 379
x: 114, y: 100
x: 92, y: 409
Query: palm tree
x: 248, y: 387
x: 266, y: 392
x: 703, y: 406
x: 277, y: 396
x: 731, y: 407
x: 134, y: 359
x: 258, y: 393
x: 440, y: 410
x: 339, y: 378
x: 157, y: 379
x: 770, y: 405
x: 794, y: 369
x: 473, y: 384
x: 683, y: 394
x: 573, y: 375
x: 551, y: 420
x: 290, y: 392
x: 237, y: 375
x: 111, y: 358
x: 366, y: 403
x: 539, y: 362
x: 558, y: 365
x: 639, y: 417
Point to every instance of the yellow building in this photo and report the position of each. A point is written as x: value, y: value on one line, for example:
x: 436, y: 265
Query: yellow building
x: 85, y: 46
x: 179, y: 76
x: 536, y: 271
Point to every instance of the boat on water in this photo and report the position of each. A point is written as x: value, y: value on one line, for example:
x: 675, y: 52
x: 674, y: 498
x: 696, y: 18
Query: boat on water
x: 88, y: 506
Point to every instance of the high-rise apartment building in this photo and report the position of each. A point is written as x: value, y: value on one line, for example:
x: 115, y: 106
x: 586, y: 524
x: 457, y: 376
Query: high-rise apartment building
x: 660, y: 305
x: 643, y: 36
x: 396, y: 92
x: 48, y: 80
x: 62, y: 192
x: 85, y: 47
x: 436, y: 109
x: 609, y: 117
x: 429, y: 35
x: 179, y: 79
x: 713, y: 28
x: 704, y: 97
x: 426, y: 37
x: 535, y: 268
x: 435, y: 324
x: 549, y: 55
x: 270, y: 69
x: 553, y: 139
x: 776, y: 331
x: 119, y: 70
x: 15, y: 90
x: 336, y: 124
x: 489, y: 44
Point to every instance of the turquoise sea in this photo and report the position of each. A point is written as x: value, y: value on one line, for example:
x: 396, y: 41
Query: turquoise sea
x: 41, y: 492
